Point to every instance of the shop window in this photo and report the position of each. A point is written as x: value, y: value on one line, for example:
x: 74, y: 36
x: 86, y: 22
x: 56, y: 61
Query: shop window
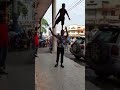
x: 112, y: 13
x: 73, y: 28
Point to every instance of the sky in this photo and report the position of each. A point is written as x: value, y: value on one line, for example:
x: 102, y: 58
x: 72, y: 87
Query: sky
x: 77, y: 14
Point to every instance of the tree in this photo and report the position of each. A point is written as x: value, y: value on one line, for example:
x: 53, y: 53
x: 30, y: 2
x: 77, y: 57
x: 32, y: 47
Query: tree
x: 44, y: 25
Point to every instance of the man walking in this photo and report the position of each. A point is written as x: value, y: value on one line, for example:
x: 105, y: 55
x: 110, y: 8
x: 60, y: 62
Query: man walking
x: 61, y: 40
x: 36, y: 43
x: 51, y: 44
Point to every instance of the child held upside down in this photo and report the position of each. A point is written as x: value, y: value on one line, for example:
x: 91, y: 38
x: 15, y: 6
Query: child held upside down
x: 61, y: 17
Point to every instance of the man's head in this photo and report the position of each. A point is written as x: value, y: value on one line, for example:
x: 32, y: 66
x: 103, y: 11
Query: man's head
x: 63, y: 5
x: 62, y: 32
x: 35, y: 33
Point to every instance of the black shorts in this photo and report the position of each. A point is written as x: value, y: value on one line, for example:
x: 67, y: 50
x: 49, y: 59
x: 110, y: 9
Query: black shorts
x: 60, y: 19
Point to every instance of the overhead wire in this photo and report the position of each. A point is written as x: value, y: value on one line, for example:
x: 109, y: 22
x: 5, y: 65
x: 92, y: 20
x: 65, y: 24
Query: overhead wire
x: 75, y: 5
x: 72, y: 4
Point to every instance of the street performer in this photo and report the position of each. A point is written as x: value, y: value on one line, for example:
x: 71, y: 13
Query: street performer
x: 61, y: 40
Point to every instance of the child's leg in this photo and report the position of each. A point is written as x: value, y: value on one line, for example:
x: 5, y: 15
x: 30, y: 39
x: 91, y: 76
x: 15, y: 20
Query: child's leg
x: 62, y: 22
x: 62, y: 27
x: 56, y: 22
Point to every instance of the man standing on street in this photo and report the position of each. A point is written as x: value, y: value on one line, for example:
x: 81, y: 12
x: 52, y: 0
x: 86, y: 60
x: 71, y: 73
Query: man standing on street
x: 3, y: 46
x: 61, y: 40
x: 36, y: 43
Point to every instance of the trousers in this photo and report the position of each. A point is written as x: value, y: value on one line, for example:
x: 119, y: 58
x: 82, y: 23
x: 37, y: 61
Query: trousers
x: 60, y: 51
x: 3, y: 54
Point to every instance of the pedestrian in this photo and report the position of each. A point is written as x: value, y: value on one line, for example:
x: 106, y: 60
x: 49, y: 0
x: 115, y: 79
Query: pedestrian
x: 51, y: 44
x: 3, y: 46
x: 36, y: 43
x: 67, y: 44
x: 61, y: 17
x: 61, y: 40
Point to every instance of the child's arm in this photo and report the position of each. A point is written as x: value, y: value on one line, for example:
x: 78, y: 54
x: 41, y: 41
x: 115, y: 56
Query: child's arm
x: 66, y: 31
x: 68, y: 15
x: 52, y: 33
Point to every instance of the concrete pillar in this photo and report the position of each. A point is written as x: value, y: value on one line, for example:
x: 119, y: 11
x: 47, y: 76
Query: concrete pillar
x: 53, y: 21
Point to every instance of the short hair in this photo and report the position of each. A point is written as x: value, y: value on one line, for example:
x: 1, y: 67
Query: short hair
x: 63, y: 4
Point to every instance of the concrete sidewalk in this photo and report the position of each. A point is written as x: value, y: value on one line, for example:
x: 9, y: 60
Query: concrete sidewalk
x: 47, y: 77
x: 20, y: 68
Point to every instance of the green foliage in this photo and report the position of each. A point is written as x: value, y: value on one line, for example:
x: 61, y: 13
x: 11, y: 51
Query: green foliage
x: 44, y: 25
x: 44, y: 22
x: 44, y: 30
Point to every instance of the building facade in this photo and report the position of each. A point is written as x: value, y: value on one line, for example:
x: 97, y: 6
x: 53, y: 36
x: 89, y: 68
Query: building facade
x: 27, y: 22
x: 76, y: 31
x: 102, y: 12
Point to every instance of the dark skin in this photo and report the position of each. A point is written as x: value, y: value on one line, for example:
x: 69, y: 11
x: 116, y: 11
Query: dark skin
x: 63, y: 7
x: 63, y: 11
x: 62, y: 32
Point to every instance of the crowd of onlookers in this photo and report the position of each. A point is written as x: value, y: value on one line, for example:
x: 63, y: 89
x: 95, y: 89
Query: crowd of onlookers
x: 20, y: 40
x: 25, y: 40
x: 43, y: 43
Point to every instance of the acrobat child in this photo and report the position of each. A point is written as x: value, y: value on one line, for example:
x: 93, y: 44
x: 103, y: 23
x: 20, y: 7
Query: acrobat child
x: 61, y: 17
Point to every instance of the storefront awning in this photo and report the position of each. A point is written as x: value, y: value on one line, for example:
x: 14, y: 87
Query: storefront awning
x: 42, y: 7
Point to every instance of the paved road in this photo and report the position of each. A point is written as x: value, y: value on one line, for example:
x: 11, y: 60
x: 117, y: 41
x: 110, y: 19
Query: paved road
x: 72, y: 77
x: 92, y: 82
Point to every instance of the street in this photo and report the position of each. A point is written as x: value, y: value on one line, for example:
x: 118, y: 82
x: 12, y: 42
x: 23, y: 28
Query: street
x: 92, y: 82
x: 73, y: 77
x: 47, y: 77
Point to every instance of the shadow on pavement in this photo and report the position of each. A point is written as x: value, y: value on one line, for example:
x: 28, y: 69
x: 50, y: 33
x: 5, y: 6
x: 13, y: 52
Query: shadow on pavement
x: 110, y: 83
x: 20, y: 66
x: 43, y: 50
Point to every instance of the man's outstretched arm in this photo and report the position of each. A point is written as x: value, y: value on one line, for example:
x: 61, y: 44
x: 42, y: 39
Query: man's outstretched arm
x: 68, y: 15
x: 66, y: 31
x: 52, y: 32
